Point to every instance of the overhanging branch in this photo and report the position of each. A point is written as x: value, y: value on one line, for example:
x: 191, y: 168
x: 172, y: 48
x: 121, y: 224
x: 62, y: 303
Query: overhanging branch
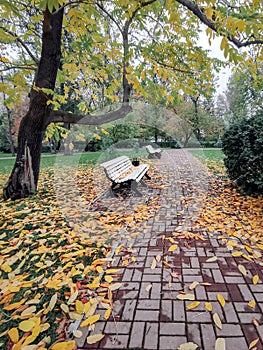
x: 196, y: 10
x: 66, y: 117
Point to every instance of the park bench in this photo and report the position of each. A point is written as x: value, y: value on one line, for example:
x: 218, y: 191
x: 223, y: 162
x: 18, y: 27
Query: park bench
x: 153, y: 152
x: 121, y: 172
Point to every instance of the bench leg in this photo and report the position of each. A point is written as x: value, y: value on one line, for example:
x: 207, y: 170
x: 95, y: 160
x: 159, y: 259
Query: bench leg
x: 135, y: 189
x: 147, y: 176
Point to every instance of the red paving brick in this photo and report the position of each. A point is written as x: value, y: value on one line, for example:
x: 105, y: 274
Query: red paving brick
x: 155, y: 319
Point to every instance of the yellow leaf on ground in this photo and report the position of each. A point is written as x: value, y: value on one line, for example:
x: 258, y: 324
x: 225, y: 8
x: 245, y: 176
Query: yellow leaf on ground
x: 217, y: 320
x: 65, y: 345
x: 148, y: 287
x: 115, y: 286
x: 79, y: 307
x: 108, y: 279
x: 65, y: 308
x: 185, y: 297
x: 193, y: 305
x: 188, y: 346
x: 29, y: 311
x: 221, y: 300
x: 212, y: 259
x: 99, y: 269
x: 236, y: 254
x: 73, y: 297
x: 111, y: 271
x: 154, y: 263
x: 173, y: 248
x: 253, y: 343
x: 255, y: 279
x: 90, y: 320
x: 26, y: 326
x: 193, y: 285
x: 13, y: 334
x: 77, y: 333
x: 15, y: 305
x: 107, y: 314
x: 242, y: 269
x: 252, y: 304
x: 53, y: 301
x: 208, y: 306
x: 220, y: 344
x: 92, y: 339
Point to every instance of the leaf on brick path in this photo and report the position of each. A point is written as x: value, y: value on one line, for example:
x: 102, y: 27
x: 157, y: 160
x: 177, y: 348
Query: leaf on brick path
x: 253, y: 343
x: 77, y: 333
x: 107, y: 314
x: 242, y: 269
x: 220, y: 344
x: 112, y: 271
x: 217, y: 320
x: 185, y: 296
x: 193, y: 305
x: 252, y: 304
x: 115, y: 286
x: 208, y: 306
x: 255, y: 279
x: 154, y: 263
x: 90, y: 320
x: 158, y: 258
x: 64, y: 345
x: 188, y: 346
x: 166, y: 264
x: 237, y: 254
x: 99, y: 269
x: 175, y: 275
x: 92, y: 339
x: 172, y: 248
x: 205, y: 284
x: 193, y: 285
x: 212, y: 259
x: 221, y: 300
x: 255, y: 322
x: 148, y: 287
x: 13, y: 334
x: 108, y: 279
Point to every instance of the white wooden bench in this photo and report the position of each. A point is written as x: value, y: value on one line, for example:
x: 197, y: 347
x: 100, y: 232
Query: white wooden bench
x: 121, y: 172
x: 153, y: 152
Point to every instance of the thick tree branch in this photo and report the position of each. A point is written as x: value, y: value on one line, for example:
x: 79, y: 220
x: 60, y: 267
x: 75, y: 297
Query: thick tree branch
x: 196, y: 10
x: 66, y: 117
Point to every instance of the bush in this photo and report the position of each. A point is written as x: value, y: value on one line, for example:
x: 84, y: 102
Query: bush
x: 242, y: 144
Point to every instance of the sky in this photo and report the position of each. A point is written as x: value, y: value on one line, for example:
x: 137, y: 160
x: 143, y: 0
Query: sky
x: 215, y: 51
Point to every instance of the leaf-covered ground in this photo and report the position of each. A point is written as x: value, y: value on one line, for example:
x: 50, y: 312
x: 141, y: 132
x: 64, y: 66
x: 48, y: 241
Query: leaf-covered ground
x: 57, y: 248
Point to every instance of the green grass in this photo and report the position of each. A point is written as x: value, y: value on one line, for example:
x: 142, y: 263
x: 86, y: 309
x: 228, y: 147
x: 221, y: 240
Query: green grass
x: 210, y: 154
x: 59, y: 160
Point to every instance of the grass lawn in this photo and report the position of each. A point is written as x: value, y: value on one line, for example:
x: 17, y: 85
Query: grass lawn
x: 208, y: 154
x: 49, y: 160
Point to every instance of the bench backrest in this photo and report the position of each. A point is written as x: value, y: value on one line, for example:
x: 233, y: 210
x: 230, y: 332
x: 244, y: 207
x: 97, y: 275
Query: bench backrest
x: 117, y: 166
x: 150, y: 149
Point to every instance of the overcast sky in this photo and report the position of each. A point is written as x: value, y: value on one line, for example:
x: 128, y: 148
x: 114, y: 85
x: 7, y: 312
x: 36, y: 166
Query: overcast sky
x: 217, y: 53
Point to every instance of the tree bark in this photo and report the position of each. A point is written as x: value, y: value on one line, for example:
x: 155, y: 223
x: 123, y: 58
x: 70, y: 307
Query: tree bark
x: 24, y: 176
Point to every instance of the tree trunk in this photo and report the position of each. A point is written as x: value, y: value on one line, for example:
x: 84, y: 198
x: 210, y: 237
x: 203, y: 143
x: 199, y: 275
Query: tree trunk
x: 24, y: 176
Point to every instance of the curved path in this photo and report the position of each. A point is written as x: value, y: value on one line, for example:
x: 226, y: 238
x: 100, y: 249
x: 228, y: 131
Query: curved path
x: 147, y: 312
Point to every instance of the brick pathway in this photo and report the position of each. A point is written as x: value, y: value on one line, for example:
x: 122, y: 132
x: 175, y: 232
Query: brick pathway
x: 147, y: 312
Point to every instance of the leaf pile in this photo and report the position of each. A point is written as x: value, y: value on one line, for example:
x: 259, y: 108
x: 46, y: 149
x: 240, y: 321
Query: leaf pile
x: 56, y: 257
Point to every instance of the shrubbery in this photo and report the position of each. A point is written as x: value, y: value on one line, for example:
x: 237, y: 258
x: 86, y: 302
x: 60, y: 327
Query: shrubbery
x: 242, y: 144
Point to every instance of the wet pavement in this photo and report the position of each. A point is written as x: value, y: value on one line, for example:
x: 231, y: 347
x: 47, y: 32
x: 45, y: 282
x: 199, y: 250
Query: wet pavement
x: 169, y: 273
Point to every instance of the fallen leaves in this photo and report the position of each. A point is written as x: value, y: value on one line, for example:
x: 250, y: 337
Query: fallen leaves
x: 220, y: 344
x: 221, y: 300
x: 217, y: 320
x: 56, y: 258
